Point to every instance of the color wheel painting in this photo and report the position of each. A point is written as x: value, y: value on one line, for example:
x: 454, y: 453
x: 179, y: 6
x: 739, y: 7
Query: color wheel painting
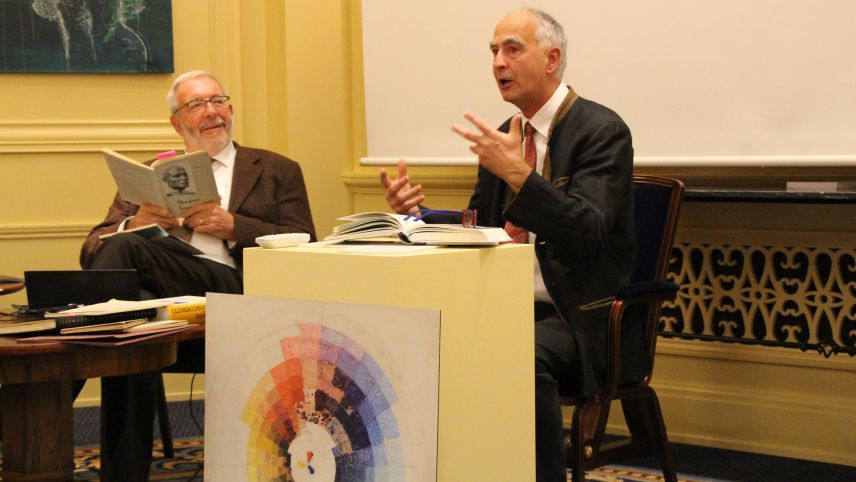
x: 323, y: 413
x: 313, y: 391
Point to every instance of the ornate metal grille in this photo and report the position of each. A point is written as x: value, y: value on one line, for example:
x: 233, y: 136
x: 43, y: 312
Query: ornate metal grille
x: 796, y: 297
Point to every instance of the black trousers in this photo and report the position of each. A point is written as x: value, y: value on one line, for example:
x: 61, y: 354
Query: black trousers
x: 128, y: 402
x: 555, y: 357
x: 165, y: 273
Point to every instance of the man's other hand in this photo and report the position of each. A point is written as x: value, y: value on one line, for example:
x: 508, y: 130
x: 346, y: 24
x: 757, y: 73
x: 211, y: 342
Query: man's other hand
x: 151, y: 214
x: 210, y: 218
x: 400, y: 195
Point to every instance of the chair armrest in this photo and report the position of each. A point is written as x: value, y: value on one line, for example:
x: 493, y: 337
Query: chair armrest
x: 647, y: 290
x: 637, y: 292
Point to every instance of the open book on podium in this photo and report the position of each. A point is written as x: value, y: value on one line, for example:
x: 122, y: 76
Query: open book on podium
x: 390, y: 227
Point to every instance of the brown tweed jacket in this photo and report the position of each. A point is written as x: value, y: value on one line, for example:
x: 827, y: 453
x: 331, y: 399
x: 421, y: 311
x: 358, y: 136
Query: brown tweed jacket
x: 268, y: 197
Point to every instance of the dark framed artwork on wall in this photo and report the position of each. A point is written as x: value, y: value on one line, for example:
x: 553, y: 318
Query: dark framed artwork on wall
x: 86, y: 36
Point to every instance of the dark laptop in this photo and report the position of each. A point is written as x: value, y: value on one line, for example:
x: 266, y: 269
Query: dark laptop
x: 49, y: 290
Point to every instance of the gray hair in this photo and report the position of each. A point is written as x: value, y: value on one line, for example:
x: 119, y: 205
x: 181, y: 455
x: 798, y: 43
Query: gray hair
x: 170, y: 96
x: 549, y: 33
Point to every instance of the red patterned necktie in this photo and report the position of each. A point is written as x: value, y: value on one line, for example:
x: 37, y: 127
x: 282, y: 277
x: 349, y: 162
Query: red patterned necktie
x: 518, y: 234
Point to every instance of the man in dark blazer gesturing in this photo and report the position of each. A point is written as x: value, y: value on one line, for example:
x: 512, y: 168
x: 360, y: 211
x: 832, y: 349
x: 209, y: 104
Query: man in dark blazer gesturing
x: 567, y: 189
x: 261, y: 193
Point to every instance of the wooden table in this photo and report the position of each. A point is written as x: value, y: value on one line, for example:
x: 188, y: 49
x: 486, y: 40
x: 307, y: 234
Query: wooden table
x: 9, y: 285
x: 37, y: 429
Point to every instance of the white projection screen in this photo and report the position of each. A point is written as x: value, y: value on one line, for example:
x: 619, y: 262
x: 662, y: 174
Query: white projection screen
x: 692, y: 79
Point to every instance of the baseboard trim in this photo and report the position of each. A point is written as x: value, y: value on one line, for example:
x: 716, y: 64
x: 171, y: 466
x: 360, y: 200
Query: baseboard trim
x: 782, y: 413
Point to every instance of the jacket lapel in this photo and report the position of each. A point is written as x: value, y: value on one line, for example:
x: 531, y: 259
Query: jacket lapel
x: 247, y: 171
x: 555, y: 169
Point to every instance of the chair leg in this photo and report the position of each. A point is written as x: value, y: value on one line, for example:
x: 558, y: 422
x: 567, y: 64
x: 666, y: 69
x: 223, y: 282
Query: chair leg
x: 163, y: 422
x: 577, y: 461
x: 645, y: 421
x: 576, y: 447
x: 662, y: 439
x: 638, y: 416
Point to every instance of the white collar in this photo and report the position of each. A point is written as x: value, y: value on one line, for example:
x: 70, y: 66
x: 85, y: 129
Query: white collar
x: 544, y: 117
x: 227, y: 155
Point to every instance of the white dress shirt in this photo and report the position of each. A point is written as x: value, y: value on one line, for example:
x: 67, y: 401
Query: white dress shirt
x: 213, y: 247
x: 541, y: 123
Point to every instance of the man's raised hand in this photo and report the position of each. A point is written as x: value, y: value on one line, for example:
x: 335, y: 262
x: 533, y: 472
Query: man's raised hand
x: 498, y: 152
x: 400, y: 195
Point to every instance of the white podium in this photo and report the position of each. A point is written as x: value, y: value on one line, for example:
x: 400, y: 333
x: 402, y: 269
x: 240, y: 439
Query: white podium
x: 486, y: 395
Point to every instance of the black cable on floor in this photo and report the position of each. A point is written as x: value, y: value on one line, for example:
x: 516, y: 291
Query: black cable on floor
x: 195, y: 422
x: 190, y: 407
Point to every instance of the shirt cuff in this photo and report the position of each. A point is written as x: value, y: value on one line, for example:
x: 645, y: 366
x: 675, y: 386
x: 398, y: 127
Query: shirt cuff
x: 123, y: 223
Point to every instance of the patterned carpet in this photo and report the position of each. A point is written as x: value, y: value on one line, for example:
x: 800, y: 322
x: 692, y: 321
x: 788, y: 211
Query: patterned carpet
x: 714, y: 465
x: 187, y: 466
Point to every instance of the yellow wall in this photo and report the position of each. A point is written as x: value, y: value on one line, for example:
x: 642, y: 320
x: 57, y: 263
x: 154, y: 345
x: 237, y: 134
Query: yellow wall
x: 288, y: 67
x: 293, y: 91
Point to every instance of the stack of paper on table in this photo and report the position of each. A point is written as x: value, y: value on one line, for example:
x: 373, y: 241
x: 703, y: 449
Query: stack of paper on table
x: 15, y: 326
x: 128, y: 321
x: 112, y: 315
x: 121, y: 337
x: 190, y: 308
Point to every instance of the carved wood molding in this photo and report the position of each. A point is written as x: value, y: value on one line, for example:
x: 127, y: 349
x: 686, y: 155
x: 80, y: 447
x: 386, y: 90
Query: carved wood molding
x: 87, y: 136
x: 775, y: 295
x: 740, y: 353
x: 53, y: 231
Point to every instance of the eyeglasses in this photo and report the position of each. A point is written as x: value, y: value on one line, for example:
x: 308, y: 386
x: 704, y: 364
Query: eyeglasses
x: 468, y: 216
x: 196, y: 105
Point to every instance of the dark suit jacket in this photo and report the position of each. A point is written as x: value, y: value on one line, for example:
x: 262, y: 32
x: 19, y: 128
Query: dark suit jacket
x: 583, y: 220
x: 268, y: 197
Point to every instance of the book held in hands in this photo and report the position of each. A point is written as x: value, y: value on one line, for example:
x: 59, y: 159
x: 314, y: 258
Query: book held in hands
x: 176, y: 182
x: 390, y: 227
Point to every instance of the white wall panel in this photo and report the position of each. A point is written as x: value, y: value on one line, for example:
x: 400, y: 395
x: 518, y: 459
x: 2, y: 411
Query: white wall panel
x: 691, y: 78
